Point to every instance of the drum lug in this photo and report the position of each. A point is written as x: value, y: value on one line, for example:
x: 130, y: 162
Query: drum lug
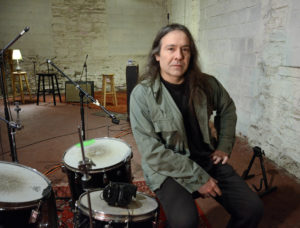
x: 119, y: 173
x: 128, y: 171
x: 108, y: 225
x: 63, y: 169
x: 77, y: 178
x: 76, y: 218
x: 105, y: 179
x: 35, y: 214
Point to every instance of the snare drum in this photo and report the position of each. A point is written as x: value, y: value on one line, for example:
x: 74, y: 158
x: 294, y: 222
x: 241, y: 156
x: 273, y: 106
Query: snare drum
x: 141, y: 212
x: 23, y: 190
x: 111, y: 157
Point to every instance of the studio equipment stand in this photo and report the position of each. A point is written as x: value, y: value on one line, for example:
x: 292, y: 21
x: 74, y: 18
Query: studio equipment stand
x: 83, y: 93
x: 84, y: 167
x: 258, y: 152
x: 10, y: 129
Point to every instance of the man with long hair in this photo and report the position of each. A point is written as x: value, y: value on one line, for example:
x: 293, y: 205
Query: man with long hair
x: 170, y: 110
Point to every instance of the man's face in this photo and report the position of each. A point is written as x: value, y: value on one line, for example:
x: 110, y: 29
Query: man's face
x: 174, y: 56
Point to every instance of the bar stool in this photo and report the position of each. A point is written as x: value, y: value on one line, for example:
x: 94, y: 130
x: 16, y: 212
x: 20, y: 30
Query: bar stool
x: 108, y: 79
x: 51, y: 89
x: 17, y: 77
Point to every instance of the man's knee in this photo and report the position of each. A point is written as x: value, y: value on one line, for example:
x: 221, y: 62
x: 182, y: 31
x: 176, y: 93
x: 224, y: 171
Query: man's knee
x: 184, y: 220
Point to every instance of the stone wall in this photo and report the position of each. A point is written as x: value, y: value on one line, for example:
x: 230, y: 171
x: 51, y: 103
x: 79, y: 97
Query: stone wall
x: 110, y: 32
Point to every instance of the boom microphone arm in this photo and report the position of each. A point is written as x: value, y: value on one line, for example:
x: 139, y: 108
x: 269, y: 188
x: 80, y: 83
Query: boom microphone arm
x: 96, y: 102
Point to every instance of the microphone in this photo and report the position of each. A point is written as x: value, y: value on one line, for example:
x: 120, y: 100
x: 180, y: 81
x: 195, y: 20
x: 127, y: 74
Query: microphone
x: 26, y: 29
x: 84, y: 65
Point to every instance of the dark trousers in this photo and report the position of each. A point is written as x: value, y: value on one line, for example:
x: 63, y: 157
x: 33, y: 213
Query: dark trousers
x: 244, y: 206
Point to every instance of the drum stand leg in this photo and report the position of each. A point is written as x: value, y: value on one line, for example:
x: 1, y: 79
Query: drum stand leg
x: 258, y: 152
x: 76, y: 218
x: 80, y: 221
x: 156, y: 222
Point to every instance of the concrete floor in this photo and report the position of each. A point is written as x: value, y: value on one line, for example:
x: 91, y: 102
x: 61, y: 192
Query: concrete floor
x: 49, y: 131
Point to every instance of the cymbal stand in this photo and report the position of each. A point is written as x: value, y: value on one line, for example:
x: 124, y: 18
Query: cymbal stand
x: 10, y: 130
x: 84, y: 166
x: 258, y: 152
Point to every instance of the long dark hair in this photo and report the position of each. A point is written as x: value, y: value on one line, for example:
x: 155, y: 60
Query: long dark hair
x: 193, y: 76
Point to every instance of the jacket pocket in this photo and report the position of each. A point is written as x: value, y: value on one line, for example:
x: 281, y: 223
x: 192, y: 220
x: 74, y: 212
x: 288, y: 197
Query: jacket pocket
x: 169, y: 134
x: 164, y: 125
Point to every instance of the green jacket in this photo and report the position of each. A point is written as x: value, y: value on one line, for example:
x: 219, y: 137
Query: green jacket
x: 158, y: 129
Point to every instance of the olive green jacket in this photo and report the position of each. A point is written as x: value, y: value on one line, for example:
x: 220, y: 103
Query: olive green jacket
x: 158, y: 129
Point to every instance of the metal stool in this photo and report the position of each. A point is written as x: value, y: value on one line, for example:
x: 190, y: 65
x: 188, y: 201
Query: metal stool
x: 50, y: 90
x: 108, y: 79
x: 20, y: 74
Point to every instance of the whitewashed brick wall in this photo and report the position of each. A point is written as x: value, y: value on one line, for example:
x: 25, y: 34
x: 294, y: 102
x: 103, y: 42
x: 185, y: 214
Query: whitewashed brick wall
x: 110, y: 32
x: 252, y: 47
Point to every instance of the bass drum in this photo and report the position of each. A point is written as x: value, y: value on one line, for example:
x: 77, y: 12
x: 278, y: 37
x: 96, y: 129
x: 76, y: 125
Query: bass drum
x: 140, y: 212
x: 111, y: 158
x: 22, y: 191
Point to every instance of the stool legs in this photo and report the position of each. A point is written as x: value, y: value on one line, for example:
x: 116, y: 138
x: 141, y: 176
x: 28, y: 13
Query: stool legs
x: 104, y: 90
x: 38, y: 91
x: 21, y: 89
x: 44, y: 89
x: 20, y: 81
x: 57, y: 88
x: 112, y: 91
x: 51, y: 88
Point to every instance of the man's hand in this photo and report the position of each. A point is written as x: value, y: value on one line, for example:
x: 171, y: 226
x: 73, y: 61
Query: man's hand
x: 210, y: 188
x: 219, y: 156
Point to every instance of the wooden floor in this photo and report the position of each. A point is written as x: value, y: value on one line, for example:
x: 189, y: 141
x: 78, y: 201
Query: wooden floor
x: 49, y: 131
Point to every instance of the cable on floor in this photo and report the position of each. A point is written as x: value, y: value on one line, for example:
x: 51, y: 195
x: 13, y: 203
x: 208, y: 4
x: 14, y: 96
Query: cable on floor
x: 52, y: 170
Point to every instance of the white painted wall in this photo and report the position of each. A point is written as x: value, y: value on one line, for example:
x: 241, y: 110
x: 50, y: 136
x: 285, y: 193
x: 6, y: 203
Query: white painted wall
x: 185, y: 12
x: 252, y: 47
x: 110, y: 32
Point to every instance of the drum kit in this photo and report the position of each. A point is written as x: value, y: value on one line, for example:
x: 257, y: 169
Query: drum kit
x: 27, y: 198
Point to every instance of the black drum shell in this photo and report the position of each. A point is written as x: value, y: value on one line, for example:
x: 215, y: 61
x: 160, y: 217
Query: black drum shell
x: 17, y: 214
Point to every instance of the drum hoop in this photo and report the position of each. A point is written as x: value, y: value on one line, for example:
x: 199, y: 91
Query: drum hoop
x: 18, y: 205
x: 28, y: 204
x: 104, y: 169
x: 101, y: 216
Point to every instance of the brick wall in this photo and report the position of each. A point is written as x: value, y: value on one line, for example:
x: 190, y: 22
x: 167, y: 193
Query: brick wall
x: 252, y: 47
x: 110, y: 32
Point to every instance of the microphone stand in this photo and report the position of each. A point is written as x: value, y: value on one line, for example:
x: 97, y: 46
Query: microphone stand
x: 12, y: 126
x: 83, y: 93
x: 84, y: 67
x: 10, y: 130
x: 84, y: 166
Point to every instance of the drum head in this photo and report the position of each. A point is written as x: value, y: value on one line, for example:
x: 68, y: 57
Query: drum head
x: 21, y: 185
x: 140, y: 208
x: 104, y: 152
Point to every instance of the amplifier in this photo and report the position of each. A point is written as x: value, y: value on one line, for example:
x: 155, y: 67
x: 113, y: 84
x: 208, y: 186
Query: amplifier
x: 72, y: 93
